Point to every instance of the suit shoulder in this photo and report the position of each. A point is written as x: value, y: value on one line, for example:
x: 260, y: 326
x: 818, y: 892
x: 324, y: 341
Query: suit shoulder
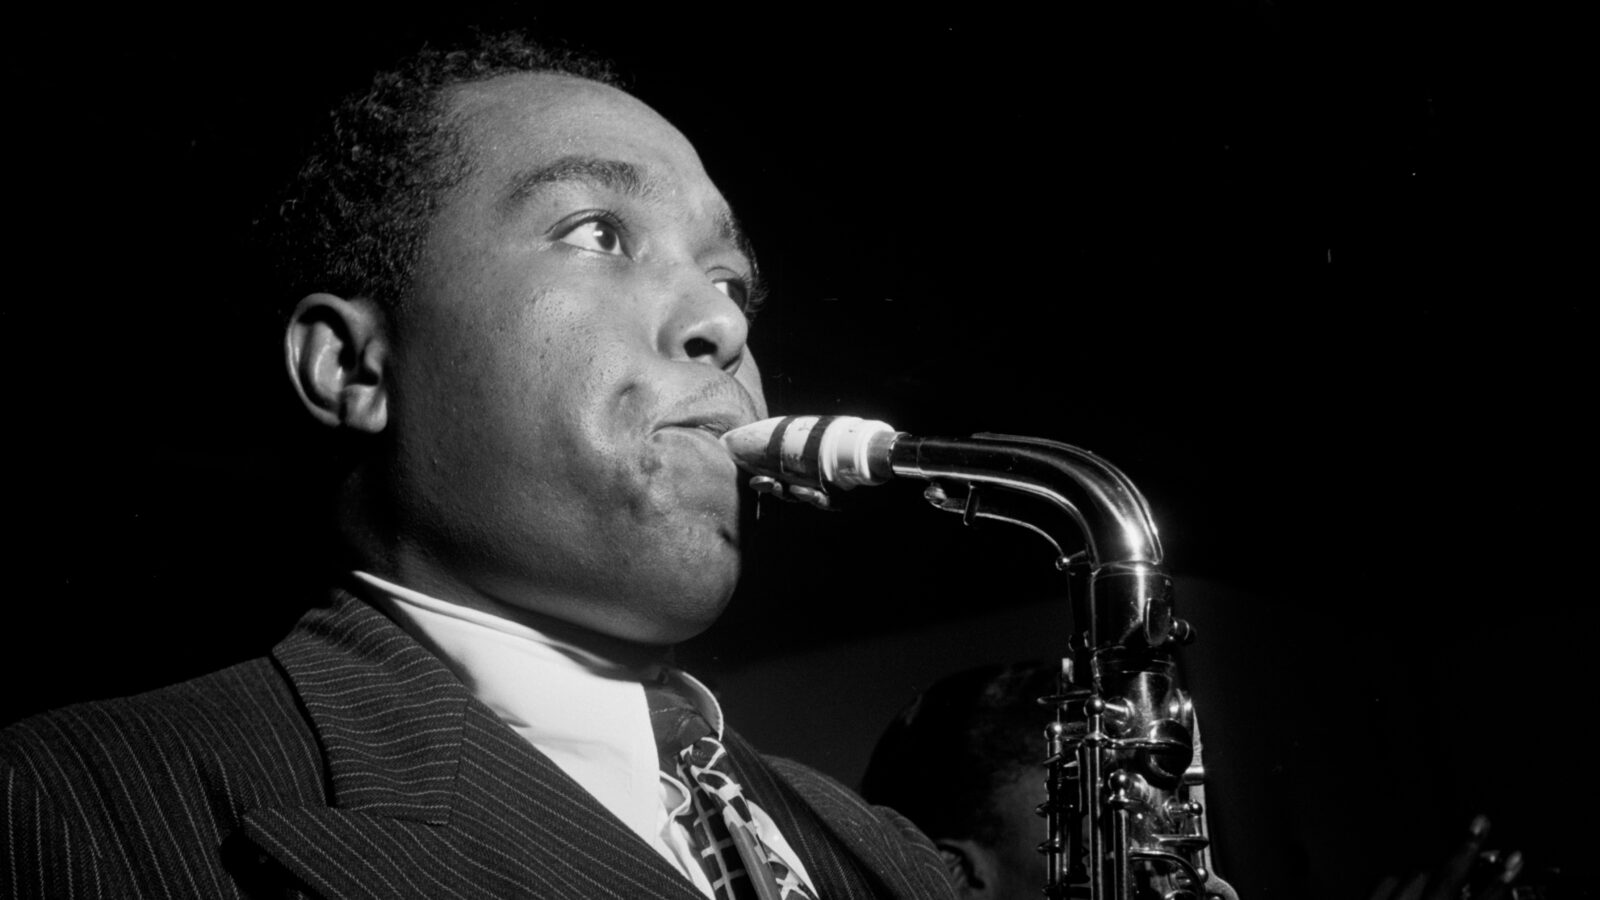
x: 829, y: 795
x: 799, y: 773
x: 233, y: 736
x: 918, y: 861
x: 249, y: 696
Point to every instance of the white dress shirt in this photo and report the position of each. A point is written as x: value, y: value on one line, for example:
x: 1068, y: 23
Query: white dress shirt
x: 586, y: 713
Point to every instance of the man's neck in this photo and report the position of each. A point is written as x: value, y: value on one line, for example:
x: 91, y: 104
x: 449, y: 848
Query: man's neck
x: 618, y: 651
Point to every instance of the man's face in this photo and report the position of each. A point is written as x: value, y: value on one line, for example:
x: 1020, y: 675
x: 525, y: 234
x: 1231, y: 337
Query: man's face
x: 574, y: 346
x: 1020, y: 868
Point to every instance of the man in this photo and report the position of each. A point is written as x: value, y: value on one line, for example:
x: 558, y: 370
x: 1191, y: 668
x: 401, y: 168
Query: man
x: 524, y: 312
x: 979, y: 736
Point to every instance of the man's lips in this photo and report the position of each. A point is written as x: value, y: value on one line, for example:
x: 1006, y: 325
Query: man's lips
x: 706, y: 431
x: 716, y: 407
x: 715, y: 425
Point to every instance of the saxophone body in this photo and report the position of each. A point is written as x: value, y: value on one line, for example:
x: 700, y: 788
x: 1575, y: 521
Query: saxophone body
x: 1123, y: 797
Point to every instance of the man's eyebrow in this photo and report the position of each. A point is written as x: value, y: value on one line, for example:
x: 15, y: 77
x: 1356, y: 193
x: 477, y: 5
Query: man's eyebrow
x: 610, y: 174
x: 729, y: 232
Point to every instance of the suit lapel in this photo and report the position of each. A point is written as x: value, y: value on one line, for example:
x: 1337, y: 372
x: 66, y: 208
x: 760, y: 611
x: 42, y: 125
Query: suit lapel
x: 430, y: 794
x: 849, y: 850
x: 388, y: 714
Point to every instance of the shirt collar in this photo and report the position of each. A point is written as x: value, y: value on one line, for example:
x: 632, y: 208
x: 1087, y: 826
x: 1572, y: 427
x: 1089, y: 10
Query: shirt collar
x: 451, y: 631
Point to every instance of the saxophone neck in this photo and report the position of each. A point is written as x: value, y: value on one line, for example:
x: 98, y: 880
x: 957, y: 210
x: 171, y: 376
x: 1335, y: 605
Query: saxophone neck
x: 1067, y: 493
x: 1104, y: 507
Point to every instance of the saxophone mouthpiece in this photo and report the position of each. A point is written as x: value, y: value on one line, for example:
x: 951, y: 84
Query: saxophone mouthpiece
x: 811, y: 455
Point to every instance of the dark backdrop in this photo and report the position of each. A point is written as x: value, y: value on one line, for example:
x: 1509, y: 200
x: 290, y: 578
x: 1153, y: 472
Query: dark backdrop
x: 1303, y: 273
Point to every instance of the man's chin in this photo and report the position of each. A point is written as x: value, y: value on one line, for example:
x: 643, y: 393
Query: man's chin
x: 685, y: 615
x: 683, y: 599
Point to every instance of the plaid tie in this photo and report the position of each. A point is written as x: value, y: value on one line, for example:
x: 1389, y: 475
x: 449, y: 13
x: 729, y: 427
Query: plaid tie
x: 722, y: 831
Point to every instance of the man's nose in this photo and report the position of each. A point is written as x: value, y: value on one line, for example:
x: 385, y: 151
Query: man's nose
x: 705, y: 325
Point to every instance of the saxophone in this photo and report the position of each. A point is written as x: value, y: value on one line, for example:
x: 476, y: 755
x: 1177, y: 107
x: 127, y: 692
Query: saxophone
x: 1124, y: 803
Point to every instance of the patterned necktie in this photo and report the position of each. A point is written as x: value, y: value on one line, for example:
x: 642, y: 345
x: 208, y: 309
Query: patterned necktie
x: 722, y: 831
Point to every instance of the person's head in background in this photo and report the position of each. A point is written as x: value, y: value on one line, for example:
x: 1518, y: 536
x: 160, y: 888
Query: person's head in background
x: 964, y: 762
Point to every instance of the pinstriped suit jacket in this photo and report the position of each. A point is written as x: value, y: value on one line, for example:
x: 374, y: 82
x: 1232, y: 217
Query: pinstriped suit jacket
x: 352, y: 763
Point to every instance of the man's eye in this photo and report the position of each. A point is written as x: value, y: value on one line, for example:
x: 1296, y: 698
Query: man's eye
x: 599, y: 236
x: 734, y: 288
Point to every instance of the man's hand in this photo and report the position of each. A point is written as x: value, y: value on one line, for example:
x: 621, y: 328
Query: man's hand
x: 1471, y: 873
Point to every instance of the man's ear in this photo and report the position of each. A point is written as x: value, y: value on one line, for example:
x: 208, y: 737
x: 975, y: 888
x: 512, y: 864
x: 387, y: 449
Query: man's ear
x: 971, y: 866
x: 336, y: 350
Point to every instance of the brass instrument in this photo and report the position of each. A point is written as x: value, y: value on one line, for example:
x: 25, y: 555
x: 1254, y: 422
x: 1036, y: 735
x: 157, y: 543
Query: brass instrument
x: 1124, y: 805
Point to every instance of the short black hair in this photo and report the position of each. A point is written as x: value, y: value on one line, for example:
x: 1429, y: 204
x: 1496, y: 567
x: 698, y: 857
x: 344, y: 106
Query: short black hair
x: 943, y: 757
x: 353, y: 219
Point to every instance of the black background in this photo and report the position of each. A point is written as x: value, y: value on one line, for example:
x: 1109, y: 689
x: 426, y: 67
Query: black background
x: 1306, y: 274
